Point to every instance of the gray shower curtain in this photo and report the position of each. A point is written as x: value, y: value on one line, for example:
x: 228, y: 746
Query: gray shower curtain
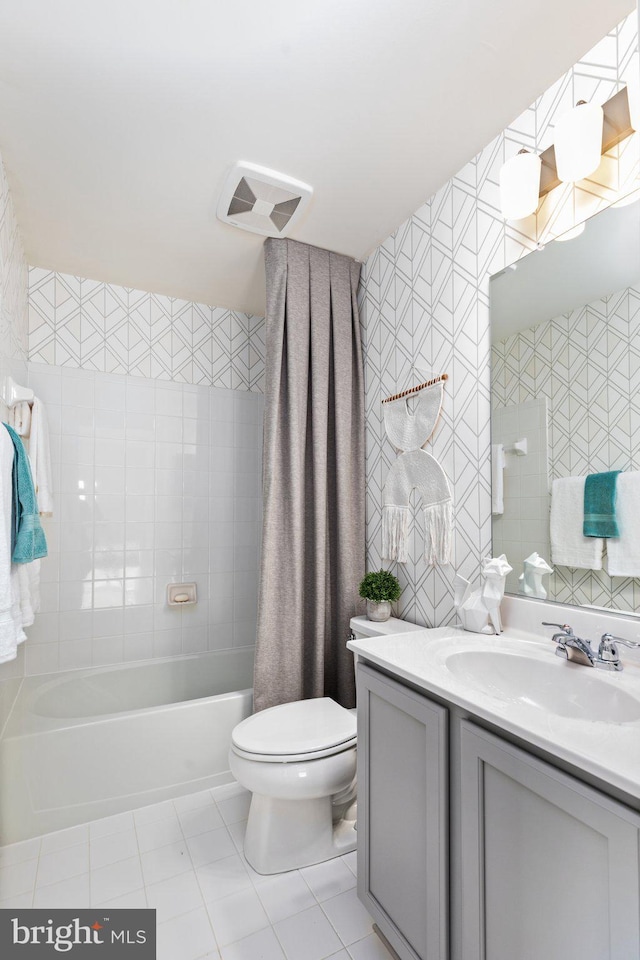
x: 313, y: 545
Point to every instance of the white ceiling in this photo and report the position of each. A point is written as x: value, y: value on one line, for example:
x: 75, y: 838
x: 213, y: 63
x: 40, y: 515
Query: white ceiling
x: 119, y: 120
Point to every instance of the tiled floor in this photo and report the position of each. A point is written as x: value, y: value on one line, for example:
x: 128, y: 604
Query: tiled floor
x: 184, y: 857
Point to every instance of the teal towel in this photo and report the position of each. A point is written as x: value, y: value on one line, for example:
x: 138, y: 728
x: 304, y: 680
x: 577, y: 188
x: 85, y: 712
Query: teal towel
x: 27, y: 537
x: 600, y: 505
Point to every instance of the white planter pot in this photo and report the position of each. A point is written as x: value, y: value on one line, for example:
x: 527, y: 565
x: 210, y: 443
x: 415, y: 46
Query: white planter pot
x: 378, y: 611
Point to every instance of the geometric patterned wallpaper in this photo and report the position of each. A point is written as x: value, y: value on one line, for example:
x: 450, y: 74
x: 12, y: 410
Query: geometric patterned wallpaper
x: 424, y: 303
x: 586, y: 363
x: 75, y: 322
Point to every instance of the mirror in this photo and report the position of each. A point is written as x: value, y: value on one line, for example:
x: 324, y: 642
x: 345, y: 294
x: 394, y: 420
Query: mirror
x: 565, y: 391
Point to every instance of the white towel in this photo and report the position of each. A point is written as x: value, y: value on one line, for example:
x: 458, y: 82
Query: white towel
x: 498, y: 464
x: 569, y: 546
x: 40, y: 457
x: 20, y: 418
x: 623, y: 552
x: 11, y: 632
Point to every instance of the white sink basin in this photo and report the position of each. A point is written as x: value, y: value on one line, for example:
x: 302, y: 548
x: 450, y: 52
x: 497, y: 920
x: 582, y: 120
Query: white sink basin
x: 554, y: 686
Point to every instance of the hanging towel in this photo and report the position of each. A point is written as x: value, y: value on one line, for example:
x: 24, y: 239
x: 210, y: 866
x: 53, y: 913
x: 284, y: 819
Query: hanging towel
x: 28, y: 540
x: 410, y: 431
x: 623, y: 553
x: 600, y: 505
x: 20, y: 418
x: 418, y: 469
x: 11, y: 632
x: 569, y: 546
x: 498, y: 464
x: 40, y: 457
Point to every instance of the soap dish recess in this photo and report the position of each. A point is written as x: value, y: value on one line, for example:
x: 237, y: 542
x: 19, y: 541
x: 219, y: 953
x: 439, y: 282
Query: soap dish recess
x: 181, y: 594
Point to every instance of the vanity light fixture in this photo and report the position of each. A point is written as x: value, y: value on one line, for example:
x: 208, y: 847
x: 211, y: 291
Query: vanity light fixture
x: 520, y: 185
x: 578, y: 141
x: 581, y: 156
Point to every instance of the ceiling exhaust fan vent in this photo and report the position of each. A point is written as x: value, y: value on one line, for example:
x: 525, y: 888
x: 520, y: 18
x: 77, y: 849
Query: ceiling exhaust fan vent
x: 261, y: 200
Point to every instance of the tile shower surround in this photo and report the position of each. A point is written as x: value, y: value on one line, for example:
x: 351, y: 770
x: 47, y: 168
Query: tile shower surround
x: 425, y: 310
x: 154, y: 482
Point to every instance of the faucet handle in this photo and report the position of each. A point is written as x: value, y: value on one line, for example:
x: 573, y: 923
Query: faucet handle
x: 608, y: 640
x: 566, y: 629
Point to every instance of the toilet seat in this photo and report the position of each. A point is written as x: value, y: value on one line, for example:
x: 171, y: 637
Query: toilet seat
x: 294, y: 732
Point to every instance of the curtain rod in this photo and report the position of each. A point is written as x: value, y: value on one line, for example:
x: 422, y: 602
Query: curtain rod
x: 420, y: 386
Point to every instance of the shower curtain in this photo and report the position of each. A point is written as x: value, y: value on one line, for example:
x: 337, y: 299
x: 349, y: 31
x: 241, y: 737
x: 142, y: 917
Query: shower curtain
x: 313, y: 545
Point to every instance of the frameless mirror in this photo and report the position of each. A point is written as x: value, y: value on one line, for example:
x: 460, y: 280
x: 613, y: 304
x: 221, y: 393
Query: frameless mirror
x: 565, y: 391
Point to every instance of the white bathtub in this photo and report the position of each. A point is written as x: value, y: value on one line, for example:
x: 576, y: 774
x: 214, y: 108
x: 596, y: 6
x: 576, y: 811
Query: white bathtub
x: 90, y: 743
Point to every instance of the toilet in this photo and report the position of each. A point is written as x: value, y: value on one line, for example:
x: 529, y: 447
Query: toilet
x: 299, y: 762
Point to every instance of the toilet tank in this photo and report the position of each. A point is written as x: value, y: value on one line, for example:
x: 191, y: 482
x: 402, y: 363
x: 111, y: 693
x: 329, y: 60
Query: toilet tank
x: 362, y: 627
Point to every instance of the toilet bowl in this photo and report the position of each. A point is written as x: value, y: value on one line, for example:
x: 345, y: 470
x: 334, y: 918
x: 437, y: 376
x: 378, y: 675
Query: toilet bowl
x: 297, y: 759
x: 299, y: 762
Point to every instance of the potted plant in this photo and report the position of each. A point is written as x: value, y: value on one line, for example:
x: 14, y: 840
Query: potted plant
x: 380, y: 589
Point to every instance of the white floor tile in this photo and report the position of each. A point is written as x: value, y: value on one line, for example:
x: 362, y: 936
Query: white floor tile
x: 72, y: 893
x: 371, y: 948
x: 340, y: 955
x: 237, y: 917
x: 237, y: 831
x: 227, y: 790
x: 307, y: 936
x: 115, y: 880
x: 158, y: 833
x: 259, y: 946
x: 62, y: 864
x: 187, y: 937
x: 165, y: 862
x: 110, y: 849
x: 351, y: 860
x: 65, y: 838
x: 207, y: 847
x: 128, y: 901
x: 110, y: 825
x: 200, y: 820
x: 192, y: 801
x: 175, y: 896
x: 17, y: 878
x: 284, y: 895
x: 19, y: 852
x: 18, y: 902
x: 155, y: 812
x: 235, y: 808
x: 328, y: 879
x: 223, y: 878
x: 348, y: 916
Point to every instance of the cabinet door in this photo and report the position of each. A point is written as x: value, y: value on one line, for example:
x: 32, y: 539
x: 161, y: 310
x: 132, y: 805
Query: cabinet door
x: 402, y: 815
x: 550, y: 866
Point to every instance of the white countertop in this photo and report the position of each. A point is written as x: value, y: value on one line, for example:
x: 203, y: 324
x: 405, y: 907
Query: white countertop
x: 608, y: 750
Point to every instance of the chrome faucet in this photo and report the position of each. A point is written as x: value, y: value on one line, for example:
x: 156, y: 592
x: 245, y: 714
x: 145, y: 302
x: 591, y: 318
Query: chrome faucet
x: 580, y: 651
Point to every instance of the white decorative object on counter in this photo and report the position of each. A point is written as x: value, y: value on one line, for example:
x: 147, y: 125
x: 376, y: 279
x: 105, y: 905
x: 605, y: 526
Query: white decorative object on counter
x: 479, y: 610
x: 530, y: 581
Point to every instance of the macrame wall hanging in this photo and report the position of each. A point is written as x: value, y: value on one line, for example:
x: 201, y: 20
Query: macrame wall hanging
x: 415, y: 468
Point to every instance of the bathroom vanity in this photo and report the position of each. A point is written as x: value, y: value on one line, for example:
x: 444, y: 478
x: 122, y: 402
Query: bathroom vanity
x: 498, y: 799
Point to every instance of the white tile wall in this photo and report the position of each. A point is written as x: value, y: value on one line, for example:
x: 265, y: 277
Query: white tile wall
x: 13, y: 355
x: 425, y: 310
x: 154, y: 482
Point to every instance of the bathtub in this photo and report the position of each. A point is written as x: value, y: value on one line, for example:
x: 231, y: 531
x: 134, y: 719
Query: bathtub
x: 90, y: 743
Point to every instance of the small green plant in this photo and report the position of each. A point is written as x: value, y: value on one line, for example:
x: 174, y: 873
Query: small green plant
x: 380, y: 585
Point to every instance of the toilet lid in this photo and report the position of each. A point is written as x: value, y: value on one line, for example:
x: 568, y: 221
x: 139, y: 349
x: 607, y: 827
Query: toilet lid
x: 303, y: 727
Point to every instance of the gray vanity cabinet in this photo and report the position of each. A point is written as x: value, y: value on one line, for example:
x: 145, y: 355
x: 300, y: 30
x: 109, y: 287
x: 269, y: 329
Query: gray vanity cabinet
x: 550, y: 867
x: 402, y: 815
